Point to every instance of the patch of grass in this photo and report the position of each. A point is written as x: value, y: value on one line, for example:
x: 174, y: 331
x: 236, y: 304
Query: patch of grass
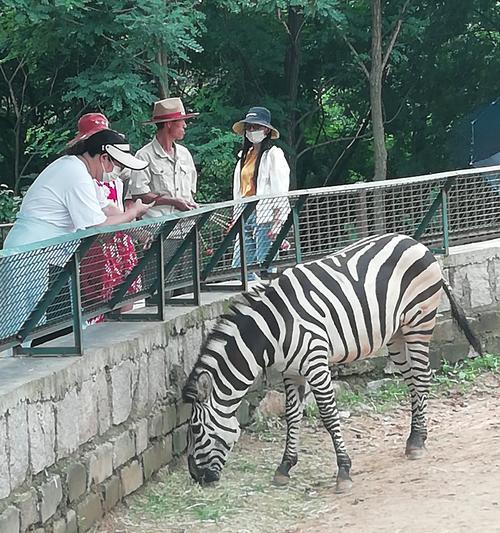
x: 311, y: 411
x: 464, y: 373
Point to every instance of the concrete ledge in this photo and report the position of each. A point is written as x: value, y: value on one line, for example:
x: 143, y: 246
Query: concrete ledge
x: 79, y: 434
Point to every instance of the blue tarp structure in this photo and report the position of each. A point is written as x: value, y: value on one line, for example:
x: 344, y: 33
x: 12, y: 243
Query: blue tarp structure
x: 485, y: 136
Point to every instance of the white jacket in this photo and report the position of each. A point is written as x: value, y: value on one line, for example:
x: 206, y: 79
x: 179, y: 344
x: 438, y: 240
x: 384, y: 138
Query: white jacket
x: 273, y: 178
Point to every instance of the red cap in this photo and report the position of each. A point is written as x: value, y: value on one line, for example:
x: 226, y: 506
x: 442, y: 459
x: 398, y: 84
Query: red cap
x: 88, y: 125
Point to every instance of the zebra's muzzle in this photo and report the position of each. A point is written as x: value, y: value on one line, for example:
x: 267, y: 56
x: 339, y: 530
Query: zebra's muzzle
x: 199, y: 475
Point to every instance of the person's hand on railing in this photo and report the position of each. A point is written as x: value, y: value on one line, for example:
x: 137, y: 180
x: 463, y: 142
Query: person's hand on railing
x: 183, y: 205
x: 138, y: 208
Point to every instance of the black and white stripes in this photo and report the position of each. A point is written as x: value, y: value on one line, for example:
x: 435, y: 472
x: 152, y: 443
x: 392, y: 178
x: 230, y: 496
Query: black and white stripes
x: 382, y: 290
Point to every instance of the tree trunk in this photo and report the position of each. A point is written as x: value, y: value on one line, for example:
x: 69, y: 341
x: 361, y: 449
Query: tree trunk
x: 376, y: 75
x: 292, y: 70
x: 163, y: 85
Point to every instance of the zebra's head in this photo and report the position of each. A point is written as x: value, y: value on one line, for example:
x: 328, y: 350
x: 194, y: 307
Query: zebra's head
x: 210, y: 436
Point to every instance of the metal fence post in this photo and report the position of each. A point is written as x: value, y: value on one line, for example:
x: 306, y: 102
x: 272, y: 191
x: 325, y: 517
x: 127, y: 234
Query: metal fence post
x: 296, y: 232
x: 76, y: 302
x: 243, y: 253
x: 196, y: 261
x: 444, y: 218
x: 160, y: 272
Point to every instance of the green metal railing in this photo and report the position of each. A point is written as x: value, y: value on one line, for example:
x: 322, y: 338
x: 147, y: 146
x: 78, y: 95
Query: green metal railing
x: 66, y: 283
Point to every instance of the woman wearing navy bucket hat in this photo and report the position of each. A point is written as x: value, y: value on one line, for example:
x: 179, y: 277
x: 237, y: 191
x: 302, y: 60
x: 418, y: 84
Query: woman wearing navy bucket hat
x: 261, y: 170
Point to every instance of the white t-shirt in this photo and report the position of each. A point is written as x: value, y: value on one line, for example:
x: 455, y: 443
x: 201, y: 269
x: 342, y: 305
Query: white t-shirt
x: 64, y: 195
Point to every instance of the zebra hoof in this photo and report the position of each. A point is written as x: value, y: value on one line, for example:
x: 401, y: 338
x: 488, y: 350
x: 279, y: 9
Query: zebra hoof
x: 280, y: 480
x: 413, y: 454
x: 343, y: 486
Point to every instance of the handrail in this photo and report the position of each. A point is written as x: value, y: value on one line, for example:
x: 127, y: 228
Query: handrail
x: 46, y: 286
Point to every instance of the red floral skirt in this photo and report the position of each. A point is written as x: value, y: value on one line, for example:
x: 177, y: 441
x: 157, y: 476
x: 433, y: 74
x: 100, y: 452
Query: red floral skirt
x: 104, y: 267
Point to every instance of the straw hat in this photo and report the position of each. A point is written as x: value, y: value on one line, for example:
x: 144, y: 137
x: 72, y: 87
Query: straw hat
x: 169, y: 110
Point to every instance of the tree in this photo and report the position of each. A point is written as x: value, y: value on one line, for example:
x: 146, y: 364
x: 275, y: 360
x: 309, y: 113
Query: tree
x: 374, y: 74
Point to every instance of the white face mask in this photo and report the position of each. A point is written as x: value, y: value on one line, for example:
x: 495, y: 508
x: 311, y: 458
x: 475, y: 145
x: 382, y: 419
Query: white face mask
x: 256, y: 137
x: 111, y: 176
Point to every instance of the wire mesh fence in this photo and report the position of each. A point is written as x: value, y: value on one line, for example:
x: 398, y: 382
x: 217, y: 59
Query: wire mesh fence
x: 4, y: 230
x: 116, y: 267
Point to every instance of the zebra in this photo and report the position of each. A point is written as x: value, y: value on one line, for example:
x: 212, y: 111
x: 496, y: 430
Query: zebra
x: 382, y: 290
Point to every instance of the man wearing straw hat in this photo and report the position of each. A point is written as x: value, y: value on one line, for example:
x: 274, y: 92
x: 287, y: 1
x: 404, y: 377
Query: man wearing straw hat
x: 169, y: 182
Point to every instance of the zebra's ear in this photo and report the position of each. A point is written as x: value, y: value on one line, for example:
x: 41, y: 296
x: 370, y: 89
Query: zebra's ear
x: 204, y: 386
x: 198, y: 389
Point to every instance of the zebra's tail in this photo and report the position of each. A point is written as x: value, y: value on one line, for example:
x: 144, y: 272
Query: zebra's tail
x: 460, y: 319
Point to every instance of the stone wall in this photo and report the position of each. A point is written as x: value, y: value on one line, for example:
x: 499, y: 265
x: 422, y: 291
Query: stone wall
x: 79, y: 434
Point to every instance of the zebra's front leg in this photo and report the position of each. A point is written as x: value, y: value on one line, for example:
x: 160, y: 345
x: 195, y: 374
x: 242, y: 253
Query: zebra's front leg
x: 294, y: 392
x: 322, y: 387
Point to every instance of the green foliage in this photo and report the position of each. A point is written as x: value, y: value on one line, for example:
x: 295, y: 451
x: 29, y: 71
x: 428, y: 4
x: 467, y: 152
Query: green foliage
x: 9, y: 205
x: 61, y: 58
x: 467, y: 371
x: 216, y: 160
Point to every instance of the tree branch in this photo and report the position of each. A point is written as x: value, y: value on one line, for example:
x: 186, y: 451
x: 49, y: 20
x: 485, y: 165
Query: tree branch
x: 357, y: 57
x: 395, y: 34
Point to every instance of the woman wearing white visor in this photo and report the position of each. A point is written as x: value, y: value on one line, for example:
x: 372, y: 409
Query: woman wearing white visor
x: 63, y: 198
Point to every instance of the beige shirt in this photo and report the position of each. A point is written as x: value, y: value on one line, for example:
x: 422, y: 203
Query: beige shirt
x: 166, y: 175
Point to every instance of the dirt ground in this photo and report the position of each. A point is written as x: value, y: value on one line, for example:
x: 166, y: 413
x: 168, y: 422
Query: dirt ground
x: 456, y: 488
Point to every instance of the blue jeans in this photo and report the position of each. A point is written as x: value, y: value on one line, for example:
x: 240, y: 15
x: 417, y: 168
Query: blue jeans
x: 257, y: 244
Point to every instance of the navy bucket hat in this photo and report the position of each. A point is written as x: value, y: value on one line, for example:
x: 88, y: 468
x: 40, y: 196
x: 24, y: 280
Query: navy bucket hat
x: 256, y: 115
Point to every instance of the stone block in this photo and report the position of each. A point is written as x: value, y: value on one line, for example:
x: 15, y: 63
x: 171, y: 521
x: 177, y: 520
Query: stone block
x: 50, y: 497
x: 180, y: 440
x: 243, y: 413
x: 10, y: 520
x: 153, y: 459
x: 76, y: 481
x: 112, y: 493
x: 155, y: 425
x: 157, y: 382
x: 42, y: 435
x: 88, y: 421
x: 59, y: 526
x: 141, y: 392
x: 123, y: 449
x: 89, y: 511
x: 183, y: 413
x: 479, y: 279
x: 131, y: 477
x: 27, y: 503
x: 121, y: 392
x: 68, y: 432
x: 169, y: 419
x: 273, y: 404
x: 100, y: 463
x: 141, y: 435
x: 17, y: 427
x: 102, y: 393
x: 71, y: 523
x: 4, y: 463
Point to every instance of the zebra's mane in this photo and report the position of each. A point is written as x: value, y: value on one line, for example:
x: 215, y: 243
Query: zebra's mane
x: 225, y: 323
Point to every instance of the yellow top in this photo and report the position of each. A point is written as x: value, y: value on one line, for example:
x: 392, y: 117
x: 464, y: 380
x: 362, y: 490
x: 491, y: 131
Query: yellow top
x: 247, y: 185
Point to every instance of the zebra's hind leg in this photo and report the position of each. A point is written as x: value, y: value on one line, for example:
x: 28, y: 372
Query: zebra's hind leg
x: 320, y: 381
x: 294, y: 392
x: 410, y: 352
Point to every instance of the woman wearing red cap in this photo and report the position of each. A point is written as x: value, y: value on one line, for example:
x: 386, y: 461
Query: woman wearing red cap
x: 63, y: 198
x: 111, y: 258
